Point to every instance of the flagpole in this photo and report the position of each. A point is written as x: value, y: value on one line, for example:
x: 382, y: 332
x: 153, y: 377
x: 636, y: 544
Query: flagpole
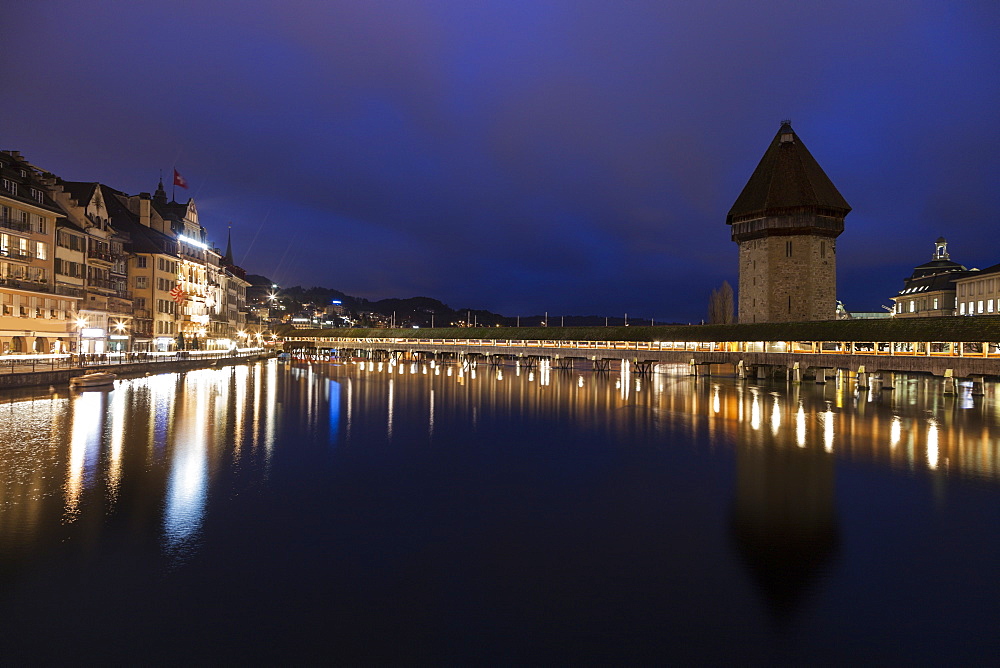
x: 173, y: 188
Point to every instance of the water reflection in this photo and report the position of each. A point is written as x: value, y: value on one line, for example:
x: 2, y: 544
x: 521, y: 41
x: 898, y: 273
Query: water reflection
x: 84, y: 447
x: 149, y: 448
x: 784, y: 517
x: 840, y: 419
x: 156, y: 447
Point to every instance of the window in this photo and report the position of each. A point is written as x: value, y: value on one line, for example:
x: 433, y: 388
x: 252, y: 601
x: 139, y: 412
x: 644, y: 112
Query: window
x: 961, y: 290
x: 140, y: 262
x: 41, y: 250
x: 935, y: 303
x: 37, y: 195
x: 989, y: 306
x: 140, y: 283
x: 788, y: 249
x: 822, y: 249
x: 981, y: 310
x: 913, y: 305
x: 961, y: 308
x: 41, y: 225
x: 10, y: 186
x: 789, y: 303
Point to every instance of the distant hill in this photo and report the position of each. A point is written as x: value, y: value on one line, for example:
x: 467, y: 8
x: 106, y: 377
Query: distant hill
x: 419, y: 310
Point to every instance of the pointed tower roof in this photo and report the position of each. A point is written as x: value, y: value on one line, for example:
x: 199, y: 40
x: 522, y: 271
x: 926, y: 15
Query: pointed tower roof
x: 228, y: 257
x: 160, y: 196
x: 788, y: 177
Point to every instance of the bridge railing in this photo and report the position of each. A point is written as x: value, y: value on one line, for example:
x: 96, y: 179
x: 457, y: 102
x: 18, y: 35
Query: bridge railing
x: 915, y: 349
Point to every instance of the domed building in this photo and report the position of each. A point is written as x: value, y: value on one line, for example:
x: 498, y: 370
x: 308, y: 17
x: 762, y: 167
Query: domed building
x: 930, y: 289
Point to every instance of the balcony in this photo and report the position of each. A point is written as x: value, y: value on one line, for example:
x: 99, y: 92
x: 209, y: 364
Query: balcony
x: 120, y: 309
x: 16, y: 225
x: 103, y: 256
x: 25, y: 284
x: 69, y: 291
x: 15, y: 254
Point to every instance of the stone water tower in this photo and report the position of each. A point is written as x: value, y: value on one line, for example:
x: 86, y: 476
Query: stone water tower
x: 786, y: 222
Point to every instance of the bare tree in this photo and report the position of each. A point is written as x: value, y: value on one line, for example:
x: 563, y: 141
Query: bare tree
x: 720, y: 305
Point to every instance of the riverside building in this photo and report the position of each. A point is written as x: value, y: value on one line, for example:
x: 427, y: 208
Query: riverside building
x: 931, y: 288
x: 87, y: 268
x: 35, y: 310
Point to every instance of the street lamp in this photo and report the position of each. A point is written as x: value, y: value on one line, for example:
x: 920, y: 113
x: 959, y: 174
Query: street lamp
x: 80, y: 324
x: 120, y: 328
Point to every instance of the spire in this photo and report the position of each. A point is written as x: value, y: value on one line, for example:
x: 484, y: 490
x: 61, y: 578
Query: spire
x: 228, y: 258
x: 160, y: 196
x: 788, y: 177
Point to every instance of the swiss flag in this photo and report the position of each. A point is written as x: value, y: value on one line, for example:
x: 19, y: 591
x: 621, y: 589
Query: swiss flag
x: 179, y: 180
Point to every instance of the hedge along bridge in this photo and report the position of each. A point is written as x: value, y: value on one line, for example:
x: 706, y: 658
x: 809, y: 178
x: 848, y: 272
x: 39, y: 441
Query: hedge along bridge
x: 959, y: 347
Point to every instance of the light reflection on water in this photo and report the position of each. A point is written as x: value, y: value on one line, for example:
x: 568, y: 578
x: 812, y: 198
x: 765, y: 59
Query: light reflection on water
x: 179, y: 454
x: 961, y: 432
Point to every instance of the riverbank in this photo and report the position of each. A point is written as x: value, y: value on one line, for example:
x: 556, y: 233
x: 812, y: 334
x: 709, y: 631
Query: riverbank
x: 60, y: 377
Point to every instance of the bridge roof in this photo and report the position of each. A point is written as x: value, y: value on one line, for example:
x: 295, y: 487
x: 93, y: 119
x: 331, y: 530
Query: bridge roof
x: 972, y: 329
x: 787, y: 177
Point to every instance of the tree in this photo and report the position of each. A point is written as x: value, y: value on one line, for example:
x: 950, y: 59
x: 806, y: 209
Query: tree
x: 720, y: 305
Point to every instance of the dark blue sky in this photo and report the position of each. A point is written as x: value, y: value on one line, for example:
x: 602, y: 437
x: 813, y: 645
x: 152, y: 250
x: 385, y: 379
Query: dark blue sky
x: 575, y: 157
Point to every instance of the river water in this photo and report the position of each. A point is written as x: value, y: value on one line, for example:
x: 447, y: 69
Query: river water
x: 420, y: 513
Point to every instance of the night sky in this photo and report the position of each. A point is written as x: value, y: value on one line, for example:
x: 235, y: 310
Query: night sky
x: 572, y: 157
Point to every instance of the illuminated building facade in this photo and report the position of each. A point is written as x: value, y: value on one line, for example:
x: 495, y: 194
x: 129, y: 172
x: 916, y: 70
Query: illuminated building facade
x: 979, y: 293
x: 35, y: 311
x: 930, y: 290
x: 104, y: 315
x: 86, y: 267
x: 786, y: 222
x: 153, y: 267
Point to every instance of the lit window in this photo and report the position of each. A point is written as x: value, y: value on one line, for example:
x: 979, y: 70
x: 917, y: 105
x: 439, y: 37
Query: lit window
x: 935, y: 303
x: 981, y: 306
x: 913, y: 306
x: 961, y: 308
x: 989, y: 306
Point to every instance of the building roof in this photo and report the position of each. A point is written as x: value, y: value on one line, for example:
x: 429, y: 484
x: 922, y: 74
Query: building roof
x: 938, y: 282
x: 787, y: 177
x: 995, y: 269
x: 12, y: 164
x: 143, y: 239
x: 81, y: 191
x: 936, y: 267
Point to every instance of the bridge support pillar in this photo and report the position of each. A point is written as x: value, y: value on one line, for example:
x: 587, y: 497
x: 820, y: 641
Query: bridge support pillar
x: 761, y: 372
x: 821, y: 376
x: 888, y: 380
x: 741, y: 371
x: 862, y: 378
x: 796, y: 373
x: 950, y: 385
x: 692, y: 368
x: 978, y: 386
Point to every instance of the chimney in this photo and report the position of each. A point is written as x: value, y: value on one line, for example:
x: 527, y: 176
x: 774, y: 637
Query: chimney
x: 144, y: 205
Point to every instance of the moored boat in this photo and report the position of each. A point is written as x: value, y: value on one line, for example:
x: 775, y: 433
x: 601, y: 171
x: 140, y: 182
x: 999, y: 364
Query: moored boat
x: 94, y: 379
